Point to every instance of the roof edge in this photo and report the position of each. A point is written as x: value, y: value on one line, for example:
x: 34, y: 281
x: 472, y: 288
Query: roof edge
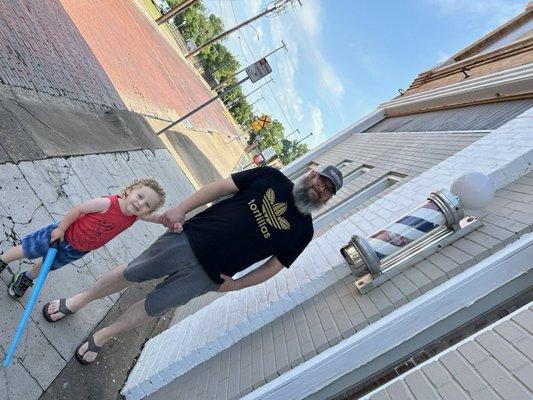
x: 366, y: 345
x: 513, y: 82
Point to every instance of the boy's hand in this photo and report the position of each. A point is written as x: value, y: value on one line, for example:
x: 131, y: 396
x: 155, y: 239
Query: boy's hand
x: 173, y: 219
x: 57, y: 233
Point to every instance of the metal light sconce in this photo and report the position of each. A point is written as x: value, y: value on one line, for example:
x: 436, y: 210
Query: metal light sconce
x: 418, y: 234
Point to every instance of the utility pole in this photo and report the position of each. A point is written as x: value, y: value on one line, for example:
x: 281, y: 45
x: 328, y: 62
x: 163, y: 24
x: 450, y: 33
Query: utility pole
x: 221, y: 84
x: 277, y: 5
x: 285, y: 138
x: 229, y: 89
x: 175, y: 11
x: 256, y: 89
x: 299, y: 141
x: 238, y: 101
x: 254, y: 72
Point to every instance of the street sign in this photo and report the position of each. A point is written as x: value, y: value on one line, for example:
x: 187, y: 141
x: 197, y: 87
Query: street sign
x: 261, y: 122
x: 257, y: 159
x: 268, y: 153
x: 264, y: 120
x: 258, y: 70
x: 256, y: 125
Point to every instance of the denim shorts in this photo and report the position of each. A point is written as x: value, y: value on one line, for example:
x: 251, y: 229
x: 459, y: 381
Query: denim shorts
x: 36, y: 245
x: 170, y: 256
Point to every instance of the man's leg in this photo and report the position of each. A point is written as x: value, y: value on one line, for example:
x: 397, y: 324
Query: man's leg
x: 111, y: 282
x: 133, y: 317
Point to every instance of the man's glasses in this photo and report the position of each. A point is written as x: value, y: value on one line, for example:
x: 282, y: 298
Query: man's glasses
x: 326, y: 186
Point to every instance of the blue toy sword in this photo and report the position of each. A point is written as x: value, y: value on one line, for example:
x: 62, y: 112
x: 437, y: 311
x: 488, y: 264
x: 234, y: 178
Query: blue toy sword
x: 45, y: 268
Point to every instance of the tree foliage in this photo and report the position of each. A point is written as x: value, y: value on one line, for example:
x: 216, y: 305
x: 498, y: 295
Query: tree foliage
x: 216, y: 60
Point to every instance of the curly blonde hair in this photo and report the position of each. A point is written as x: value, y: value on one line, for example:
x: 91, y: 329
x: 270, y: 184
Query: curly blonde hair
x: 150, y: 183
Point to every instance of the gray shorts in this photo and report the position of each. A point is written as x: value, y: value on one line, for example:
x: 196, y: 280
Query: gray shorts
x: 170, y: 256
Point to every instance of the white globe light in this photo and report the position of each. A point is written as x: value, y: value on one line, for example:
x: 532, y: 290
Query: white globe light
x: 474, y: 189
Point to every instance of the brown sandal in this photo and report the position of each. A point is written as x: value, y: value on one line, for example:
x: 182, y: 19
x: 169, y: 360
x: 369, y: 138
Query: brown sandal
x: 62, y: 309
x: 92, y: 348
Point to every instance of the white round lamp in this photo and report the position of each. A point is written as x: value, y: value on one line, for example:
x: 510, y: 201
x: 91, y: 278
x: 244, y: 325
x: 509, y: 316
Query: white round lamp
x: 474, y: 189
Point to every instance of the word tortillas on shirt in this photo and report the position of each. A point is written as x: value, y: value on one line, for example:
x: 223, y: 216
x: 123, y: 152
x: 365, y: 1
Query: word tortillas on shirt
x: 271, y: 213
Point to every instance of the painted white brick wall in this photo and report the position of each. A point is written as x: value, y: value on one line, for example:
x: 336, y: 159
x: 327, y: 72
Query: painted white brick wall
x: 505, y: 154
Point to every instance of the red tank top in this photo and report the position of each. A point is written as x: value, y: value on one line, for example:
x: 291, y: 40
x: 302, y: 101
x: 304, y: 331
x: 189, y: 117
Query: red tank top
x: 91, y: 231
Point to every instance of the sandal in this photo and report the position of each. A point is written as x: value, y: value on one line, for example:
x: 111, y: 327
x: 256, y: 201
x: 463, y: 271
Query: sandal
x: 92, y: 348
x: 62, y: 309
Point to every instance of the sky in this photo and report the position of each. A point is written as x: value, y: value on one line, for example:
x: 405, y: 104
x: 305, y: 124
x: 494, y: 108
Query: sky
x: 345, y: 57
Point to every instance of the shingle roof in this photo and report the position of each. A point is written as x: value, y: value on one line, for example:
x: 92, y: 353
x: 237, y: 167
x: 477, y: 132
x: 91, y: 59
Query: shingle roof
x: 495, y: 363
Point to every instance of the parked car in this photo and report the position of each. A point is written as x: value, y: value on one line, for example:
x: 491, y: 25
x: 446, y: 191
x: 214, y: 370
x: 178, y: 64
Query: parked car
x: 162, y: 5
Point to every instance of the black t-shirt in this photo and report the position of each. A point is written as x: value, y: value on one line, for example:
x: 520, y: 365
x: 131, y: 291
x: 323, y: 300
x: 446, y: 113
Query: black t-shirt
x: 259, y: 221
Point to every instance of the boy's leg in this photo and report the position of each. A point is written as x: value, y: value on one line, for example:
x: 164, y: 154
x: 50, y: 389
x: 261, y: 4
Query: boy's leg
x: 24, y: 280
x: 34, y: 272
x: 111, y: 282
x: 132, y: 318
x: 14, y: 253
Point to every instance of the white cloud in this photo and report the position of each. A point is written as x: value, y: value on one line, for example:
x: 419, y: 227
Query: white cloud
x: 497, y: 12
x: 252, y: 6
x: 442, y: 56
x: 308, y: 17
x: 317, y: 126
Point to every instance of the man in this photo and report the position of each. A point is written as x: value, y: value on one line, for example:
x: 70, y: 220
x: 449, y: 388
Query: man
x: 267, y: 217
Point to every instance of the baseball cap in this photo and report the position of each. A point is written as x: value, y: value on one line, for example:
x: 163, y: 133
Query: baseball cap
x: 333, y: 174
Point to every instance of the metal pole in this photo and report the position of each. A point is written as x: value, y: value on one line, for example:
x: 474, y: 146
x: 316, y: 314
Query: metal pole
x: 256, y: 89
x: 238, y: 101
x: 284, y: 46
x: 229, y: 89
x: 299, y: 141
x: 235, y: 28
x: 284, y: 138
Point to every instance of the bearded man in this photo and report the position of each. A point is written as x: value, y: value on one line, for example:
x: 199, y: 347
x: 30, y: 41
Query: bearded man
x: 267, y: 217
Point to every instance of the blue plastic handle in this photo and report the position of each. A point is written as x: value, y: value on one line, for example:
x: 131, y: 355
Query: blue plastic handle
x: 45, y: 268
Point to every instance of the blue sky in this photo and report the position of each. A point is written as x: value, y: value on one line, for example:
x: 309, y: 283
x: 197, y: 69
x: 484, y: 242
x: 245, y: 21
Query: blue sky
x: 345, y: 57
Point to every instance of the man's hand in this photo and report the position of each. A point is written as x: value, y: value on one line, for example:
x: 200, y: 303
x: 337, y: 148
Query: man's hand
x: 173, y: 219
x: 57, y: 233
x: 229, y: 284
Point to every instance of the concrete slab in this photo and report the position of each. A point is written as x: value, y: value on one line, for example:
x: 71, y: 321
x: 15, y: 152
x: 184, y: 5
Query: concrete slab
x: 51, y: 131
x: 15, y: 142
x: 32, y: 195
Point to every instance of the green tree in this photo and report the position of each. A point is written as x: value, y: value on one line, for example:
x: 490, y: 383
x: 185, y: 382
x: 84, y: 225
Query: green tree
x: 291, y: 150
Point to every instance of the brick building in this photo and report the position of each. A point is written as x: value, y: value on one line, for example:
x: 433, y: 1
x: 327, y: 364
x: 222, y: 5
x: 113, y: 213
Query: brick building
x: 309, y: 333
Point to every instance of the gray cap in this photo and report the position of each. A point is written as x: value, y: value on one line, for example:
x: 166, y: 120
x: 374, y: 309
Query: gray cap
x: 333, y: 174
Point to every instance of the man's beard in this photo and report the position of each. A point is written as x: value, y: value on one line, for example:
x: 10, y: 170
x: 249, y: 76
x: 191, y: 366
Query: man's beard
x: 302, y: 201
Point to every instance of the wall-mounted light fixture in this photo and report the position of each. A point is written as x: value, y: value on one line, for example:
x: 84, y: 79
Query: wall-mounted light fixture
x: 421, y: 232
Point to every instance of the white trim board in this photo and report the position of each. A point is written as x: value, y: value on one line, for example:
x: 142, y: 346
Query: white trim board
x: 513, y: 81
x: 385, y: 334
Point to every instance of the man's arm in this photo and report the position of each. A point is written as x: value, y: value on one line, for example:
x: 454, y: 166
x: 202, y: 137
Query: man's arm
x: 255, y: 277
x: 174, y: 217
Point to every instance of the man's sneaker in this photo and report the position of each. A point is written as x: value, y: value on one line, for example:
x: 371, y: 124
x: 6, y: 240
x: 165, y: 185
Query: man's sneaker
x: 19, y: 285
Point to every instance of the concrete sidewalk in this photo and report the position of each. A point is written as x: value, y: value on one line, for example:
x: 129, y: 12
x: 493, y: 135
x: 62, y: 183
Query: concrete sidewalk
x: 39, y: 190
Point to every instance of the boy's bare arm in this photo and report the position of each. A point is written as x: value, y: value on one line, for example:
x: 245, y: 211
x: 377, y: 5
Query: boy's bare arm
x: 173, y: 218
x: 154, y: 217
x: 86, y: 207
